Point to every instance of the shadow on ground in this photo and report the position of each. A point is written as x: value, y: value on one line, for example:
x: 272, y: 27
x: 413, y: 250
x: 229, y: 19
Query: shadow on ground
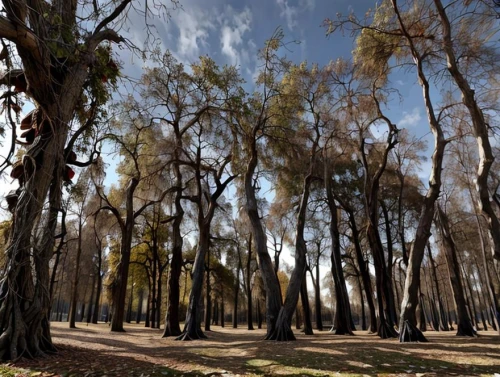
x: 93, y: 351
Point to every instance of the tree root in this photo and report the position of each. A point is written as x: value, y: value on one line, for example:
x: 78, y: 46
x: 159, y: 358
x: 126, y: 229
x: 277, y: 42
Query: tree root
x: 169, y: 331
x: 385, y: 331
x: 410, y: 333
x: 191, y: 333
x: 281, y: 332
x: 466, y: 330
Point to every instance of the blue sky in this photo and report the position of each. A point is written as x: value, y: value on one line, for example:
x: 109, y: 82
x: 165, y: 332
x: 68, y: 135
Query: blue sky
x: 231, y: 32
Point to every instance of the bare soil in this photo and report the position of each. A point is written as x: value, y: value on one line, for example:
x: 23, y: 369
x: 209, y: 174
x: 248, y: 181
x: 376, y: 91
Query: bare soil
x: 92, y: 351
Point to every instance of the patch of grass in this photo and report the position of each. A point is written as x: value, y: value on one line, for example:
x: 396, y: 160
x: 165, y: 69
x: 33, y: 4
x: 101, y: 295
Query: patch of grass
x: 8, y: 371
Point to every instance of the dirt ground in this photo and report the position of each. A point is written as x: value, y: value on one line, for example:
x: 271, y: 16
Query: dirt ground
x: 92, y: 351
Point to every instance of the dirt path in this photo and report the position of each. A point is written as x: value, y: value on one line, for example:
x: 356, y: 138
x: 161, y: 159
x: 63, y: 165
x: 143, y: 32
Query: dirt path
x: 93, y: 351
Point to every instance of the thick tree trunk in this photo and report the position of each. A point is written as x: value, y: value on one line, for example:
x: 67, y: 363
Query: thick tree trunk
x: 282, y: 330
x: 271, y: 283
x: 343, y: 309
x: 172, y: 326
x: 463, y: 320
x: 192, y: 326
x: 24, y: 289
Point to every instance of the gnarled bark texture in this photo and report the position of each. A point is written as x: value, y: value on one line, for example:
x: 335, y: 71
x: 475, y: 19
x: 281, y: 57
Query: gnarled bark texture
x: 55, y: 86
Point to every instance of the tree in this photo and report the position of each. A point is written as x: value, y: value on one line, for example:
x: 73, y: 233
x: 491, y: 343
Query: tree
x: 132, y: 144
x: 62, y: 59
x: 464, y: 324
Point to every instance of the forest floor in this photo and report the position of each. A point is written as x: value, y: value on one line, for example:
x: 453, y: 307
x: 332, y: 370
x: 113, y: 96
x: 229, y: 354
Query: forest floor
x: 92, y: 351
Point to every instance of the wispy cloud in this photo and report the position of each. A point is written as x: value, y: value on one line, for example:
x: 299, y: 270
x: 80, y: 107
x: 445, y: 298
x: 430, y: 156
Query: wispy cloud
x: 290, y: 12
x: 194, y: 30
x: 234, y: 25
x: 410, y: 119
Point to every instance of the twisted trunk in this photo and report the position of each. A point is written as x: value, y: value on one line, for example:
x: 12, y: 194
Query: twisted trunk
x: 271, y: 283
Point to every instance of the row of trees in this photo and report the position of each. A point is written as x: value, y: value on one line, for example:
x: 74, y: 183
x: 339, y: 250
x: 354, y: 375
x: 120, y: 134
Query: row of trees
x: 199, y: 155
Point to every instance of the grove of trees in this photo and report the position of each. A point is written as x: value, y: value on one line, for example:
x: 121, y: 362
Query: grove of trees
x: 173, y: 201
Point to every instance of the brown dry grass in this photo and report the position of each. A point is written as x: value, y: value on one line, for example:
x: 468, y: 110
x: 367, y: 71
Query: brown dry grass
x: 94, y: 351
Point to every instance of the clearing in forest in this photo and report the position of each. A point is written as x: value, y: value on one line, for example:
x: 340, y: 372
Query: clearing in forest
x: 92, y: 351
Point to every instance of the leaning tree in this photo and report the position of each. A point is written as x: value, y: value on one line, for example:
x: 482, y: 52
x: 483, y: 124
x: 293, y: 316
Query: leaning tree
x: 62, y: 47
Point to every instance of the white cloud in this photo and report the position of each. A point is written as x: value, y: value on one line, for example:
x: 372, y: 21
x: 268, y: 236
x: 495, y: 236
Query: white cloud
x: 410, y: 119
x: 234, y: 26
x: 194, y: 29
x: 290, y: 12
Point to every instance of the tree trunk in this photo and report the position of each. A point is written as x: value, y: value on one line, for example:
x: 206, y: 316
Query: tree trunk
x: 192, y: 327
x: 443, y: 324
x: 130, y: 302
x: 391, y: 301
x: 282, y: 330
x: 317, y: 299
x: 147, y: 322
x: 362, y: 301
x: 271, y: 283
x: 208, y: 308
x: 236, y: 294
x: 306, y: 310
x: 249, y: 289
x: 222, y: 314
x: 91, y: 300
x: 363, y: 269
x: 412, y: 283
x: 95, y: 314
x: 172, y: 320
x: 343, y: 319
x: 463, y: 320
x: 480, y: 128
x: 119, y: 288
x: 76, y: 278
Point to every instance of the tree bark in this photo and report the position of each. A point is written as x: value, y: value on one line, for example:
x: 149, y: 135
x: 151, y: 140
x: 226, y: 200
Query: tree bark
x: 306, y: 310
x: 317, y: 299
x: 412, y: 282
x: 480, y: 128
x: 343, y: 309
x: 463, y: 320
x: 271, y: 283
x: 119, y: 288
x: 172, y: 320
